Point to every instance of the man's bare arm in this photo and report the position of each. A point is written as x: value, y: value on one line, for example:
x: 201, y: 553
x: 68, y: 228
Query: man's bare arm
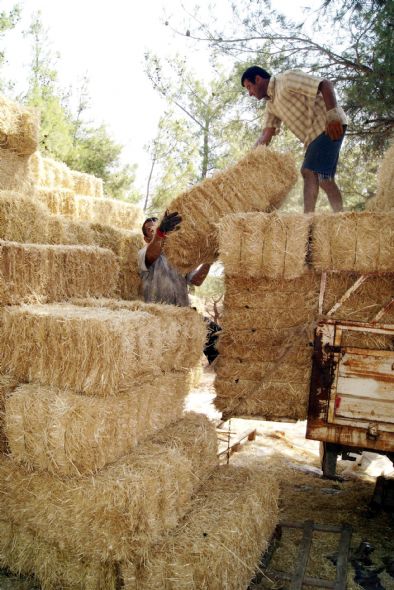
x: 153, y: 250
x: 334, y: 127
x: 266, y: 136
x: 200, y: 275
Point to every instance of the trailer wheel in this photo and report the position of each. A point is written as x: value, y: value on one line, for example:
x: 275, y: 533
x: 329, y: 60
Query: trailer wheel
x: 328, y: 456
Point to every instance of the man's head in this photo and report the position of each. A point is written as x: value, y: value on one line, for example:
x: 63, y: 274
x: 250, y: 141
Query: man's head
x: 148, y: 228
x: 256, y: 81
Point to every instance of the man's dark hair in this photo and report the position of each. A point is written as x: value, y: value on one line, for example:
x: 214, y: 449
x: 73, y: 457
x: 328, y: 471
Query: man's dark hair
x: 251, y: 73
x: 147, y: 221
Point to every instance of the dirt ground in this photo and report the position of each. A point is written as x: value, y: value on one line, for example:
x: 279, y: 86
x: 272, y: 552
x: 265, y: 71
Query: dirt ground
x: 304, y: 495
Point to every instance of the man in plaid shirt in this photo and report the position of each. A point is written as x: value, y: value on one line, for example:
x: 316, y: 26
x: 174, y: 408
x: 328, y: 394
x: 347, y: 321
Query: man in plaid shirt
x: 307, y: 105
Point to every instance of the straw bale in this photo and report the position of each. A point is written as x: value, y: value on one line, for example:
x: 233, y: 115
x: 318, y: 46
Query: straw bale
x: 219, y: 543
x: 184, y: 329
x: 271, y: 400
x: 7, y: 386
x: 351, y: 241
x: 36, y: 169
x: 80, y: 232
x: 384, y: 198
x: 257, y: 294
x: 362, y: 306
x: 364, y: 303
x: 22, y: 219
x: 124, y: 508
x: 125, y: 244
x: 98, y: 351
x: 18, y: 127
x: 35, y: 272
x: 283, y: 371
x: 258, y: 182
x: 296, y: 352
x: 69, y: 434
x: 272, y: 245
x: 112, y: 212
x: 14, y: 172
x: 59, y: 201
x: 87, y: 184
x: 25, y: 553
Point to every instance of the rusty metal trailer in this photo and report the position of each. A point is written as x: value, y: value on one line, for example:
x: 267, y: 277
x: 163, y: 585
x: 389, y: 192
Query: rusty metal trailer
x: 351, y: 400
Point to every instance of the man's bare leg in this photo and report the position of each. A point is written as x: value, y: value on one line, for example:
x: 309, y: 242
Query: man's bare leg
x: 333, y: 193
x: 311, y: 189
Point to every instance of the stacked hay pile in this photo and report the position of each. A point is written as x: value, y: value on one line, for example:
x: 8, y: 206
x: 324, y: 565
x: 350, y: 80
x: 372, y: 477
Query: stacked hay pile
x: 24, y: 219
x: 384, y: 198
x: 271, y: 300
x: 18, y: 140
x: 258, y: 182
x: 79, y: 196
x: 102, y: 475
x: 103, y: 471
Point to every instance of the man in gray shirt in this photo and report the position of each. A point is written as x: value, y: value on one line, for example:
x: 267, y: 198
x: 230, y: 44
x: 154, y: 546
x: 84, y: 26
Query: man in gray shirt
x: 161, y: 283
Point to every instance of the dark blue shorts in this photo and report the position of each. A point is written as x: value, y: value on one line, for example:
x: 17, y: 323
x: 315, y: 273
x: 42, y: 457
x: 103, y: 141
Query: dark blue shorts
x: 322, y: 155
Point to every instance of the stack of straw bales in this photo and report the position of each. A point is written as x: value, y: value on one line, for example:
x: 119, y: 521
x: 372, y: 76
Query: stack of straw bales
x: 273, y: 265
x: 113, y: 212
x: 48, y: 174
x: 103, y: 465
x: 384, y: 198
x: 79, y: 196
x: 25, y: 220
x: 217, y: 545
x: 55, y: 273
x: 18, y: 140
x: 258, y: 182
x: 103, y: 477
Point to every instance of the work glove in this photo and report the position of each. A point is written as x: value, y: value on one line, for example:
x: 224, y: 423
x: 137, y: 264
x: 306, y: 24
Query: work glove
x: 334, y: 127
x: 169, y: 222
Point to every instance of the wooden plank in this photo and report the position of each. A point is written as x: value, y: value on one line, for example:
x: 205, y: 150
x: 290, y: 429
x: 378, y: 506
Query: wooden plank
x: 234, y: 444
x: 369, y: 410
x: 303, y: 556
x: 343, y: 553
x: 367, y: 363
x: 352, y: 434
x: 307, y: 581
x: 323, y: 282
x: 346, y: 295
x: 365, y: 387
x: 383, y: 311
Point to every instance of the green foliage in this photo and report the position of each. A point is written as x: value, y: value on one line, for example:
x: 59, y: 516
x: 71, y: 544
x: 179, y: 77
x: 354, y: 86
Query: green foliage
x: 199, y: 133
x: 8, y: 20
x: 349, y: 42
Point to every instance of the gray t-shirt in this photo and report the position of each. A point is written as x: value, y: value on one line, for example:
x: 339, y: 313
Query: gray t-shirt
x: 161, y: 283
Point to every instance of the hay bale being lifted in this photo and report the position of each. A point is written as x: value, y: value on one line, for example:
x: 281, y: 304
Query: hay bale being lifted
x: 69, y: 434
x: 268, y: 245
x: 259, y: 182
x: 353, y: 242
x: 120, y: 511
x: 35, y: 272
x: 97, y: 351
x: 219, y: 543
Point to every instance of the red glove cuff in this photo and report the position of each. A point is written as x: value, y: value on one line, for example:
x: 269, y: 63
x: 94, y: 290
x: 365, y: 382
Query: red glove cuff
x: 161, y: 234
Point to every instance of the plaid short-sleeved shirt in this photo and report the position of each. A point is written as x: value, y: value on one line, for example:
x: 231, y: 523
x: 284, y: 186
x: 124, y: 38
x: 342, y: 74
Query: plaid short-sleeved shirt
x: 294, y: 100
